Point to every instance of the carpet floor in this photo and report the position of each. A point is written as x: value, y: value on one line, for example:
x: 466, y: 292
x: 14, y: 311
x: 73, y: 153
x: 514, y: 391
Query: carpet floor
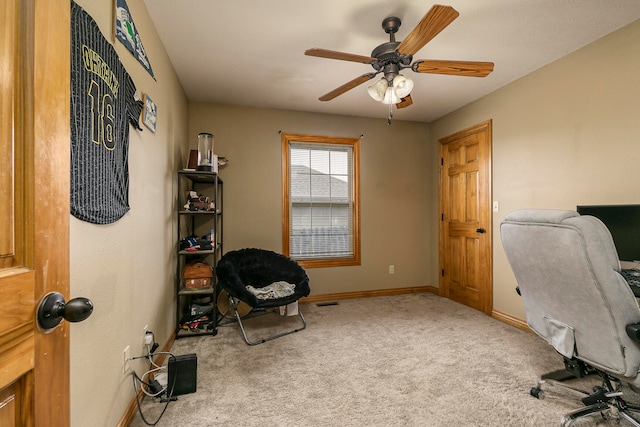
x: 407, y: 360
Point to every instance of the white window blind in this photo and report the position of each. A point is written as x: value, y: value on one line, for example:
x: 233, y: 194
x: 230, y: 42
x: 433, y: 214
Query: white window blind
x: 321, y: 201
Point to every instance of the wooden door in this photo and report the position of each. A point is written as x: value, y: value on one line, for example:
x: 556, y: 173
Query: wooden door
x: 34, y: 208
x: 465, y: 223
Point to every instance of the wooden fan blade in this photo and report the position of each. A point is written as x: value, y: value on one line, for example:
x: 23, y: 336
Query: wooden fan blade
x: 404, y: 102
x: 347, y: 86
x: 332, y: 54
x: 455, y: 68
x: 430, y: 26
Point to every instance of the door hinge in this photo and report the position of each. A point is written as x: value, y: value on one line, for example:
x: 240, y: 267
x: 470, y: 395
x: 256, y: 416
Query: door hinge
x: 442, y: 161
x: 442, y: 272
x: 441, y: 217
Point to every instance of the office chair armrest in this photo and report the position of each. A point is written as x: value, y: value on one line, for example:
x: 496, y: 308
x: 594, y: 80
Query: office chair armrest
x: 633, y: 330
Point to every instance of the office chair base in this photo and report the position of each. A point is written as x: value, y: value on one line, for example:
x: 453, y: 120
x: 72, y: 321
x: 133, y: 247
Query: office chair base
x: 608, y: 411
x: 605, y: 400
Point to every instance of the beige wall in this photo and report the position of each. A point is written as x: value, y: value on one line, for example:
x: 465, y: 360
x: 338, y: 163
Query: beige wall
x: 127, y: 268
x: 565, y: 135
x: 396, y: 185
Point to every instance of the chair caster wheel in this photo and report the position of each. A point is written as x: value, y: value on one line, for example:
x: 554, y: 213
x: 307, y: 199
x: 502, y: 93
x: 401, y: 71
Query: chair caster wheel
x: 537, y: 393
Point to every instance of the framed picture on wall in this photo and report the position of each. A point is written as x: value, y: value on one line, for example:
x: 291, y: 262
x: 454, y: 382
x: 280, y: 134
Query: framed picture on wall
x: 150, y: 113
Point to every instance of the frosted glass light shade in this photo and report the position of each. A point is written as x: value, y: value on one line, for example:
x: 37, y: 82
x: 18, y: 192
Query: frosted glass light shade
x: 390, y: 96
x: 402, y: 85
x: 378, y: 89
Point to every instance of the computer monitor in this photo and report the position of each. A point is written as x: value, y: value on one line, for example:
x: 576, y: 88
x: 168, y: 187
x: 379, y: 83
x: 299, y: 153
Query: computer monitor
x: 623, y: 221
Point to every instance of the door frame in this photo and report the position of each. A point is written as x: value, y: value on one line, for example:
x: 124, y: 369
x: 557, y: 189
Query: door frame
x: 486, y: 127
x: 51, y: 172
x: 41, y: 174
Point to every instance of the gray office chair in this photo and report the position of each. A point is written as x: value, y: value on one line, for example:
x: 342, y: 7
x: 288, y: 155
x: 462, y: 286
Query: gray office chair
x: 567, y: 272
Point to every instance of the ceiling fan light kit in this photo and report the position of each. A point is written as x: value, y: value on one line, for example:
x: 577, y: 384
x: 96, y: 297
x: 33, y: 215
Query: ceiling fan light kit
x: 390, y: 92
x: 391, y: 57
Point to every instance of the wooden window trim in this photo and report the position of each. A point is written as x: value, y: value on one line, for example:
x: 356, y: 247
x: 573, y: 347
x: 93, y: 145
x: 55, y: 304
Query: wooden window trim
x: 355, y: 144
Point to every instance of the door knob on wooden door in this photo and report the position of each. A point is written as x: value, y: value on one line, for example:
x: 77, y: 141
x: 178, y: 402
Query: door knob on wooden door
x: 480, y: 230
x: 52, y: 309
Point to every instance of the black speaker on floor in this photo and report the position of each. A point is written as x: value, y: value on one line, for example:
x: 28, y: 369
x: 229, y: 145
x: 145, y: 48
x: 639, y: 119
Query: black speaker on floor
x: 182, y: 374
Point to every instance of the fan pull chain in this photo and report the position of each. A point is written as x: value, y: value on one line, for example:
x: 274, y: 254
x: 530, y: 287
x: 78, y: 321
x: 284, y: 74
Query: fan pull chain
x: 390, y: 114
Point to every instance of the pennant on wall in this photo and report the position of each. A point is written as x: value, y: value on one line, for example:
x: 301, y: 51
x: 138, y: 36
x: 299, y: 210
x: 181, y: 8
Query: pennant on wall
x: 126, y: 32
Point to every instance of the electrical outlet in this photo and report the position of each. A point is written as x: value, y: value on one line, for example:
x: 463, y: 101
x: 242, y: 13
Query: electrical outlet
x: 148, y: 338
x: 125, y: 364
x: 392, y: 269
x: 144, y: 335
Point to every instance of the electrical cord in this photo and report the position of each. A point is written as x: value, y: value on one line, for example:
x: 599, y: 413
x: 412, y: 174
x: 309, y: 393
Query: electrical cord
x: 154, y: 367
x: 149, y: 384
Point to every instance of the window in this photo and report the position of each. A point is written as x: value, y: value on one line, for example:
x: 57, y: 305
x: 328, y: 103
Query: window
x: 321, y: 200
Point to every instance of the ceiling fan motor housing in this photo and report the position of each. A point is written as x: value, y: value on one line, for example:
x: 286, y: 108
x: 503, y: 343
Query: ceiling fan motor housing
x: 389, y: 60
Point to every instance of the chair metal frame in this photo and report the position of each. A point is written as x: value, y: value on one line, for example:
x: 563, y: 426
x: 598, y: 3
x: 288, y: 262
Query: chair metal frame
x: 233, y: 304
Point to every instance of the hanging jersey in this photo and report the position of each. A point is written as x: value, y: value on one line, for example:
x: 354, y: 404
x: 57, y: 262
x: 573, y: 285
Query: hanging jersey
x: 102, y: 106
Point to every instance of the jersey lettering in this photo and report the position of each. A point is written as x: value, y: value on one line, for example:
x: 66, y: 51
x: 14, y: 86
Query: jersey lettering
x: 102, y: 117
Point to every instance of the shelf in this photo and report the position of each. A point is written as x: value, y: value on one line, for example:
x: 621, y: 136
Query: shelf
x: 196, y: 223
x: 204, y: 325
x: 199, y: 212
x: 200, y: 176
x: 182, y: 333
x: 191, y: 332
x: 207, y: 252
x: 195, y: 291
x: 204, y: 252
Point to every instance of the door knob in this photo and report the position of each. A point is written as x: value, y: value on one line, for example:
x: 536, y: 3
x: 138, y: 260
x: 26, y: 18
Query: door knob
x: 480, y: 230
x: 52, y: 309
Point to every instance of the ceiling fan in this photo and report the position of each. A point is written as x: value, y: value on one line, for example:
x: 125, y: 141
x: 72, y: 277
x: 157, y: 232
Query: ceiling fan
x: 392, y: 57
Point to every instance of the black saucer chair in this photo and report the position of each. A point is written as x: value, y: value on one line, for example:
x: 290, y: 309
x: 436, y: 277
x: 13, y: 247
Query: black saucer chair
x: 260, y: 268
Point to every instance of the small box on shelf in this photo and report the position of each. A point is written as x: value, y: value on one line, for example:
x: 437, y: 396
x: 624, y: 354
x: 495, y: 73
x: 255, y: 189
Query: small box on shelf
x: 197, y: 274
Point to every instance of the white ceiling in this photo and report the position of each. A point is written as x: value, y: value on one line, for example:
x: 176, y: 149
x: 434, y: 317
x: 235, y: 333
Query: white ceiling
x: 251, y: 52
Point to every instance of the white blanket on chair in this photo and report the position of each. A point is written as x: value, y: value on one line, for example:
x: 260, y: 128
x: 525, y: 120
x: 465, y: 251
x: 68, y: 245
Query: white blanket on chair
x: 275, y: 290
